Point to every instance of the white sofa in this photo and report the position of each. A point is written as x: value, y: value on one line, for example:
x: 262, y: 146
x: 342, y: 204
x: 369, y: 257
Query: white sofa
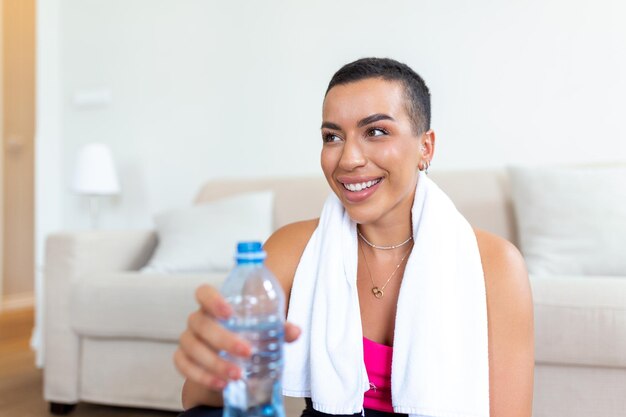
x: 110, y: 332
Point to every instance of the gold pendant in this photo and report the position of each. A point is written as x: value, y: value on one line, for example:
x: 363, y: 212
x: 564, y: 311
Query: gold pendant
x: 378, y: 293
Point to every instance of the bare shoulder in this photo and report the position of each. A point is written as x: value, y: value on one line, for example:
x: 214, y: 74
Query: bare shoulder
x: 284, y: 250
x: 506, y: 278
x: 511, y: 333
x: 497, y: 253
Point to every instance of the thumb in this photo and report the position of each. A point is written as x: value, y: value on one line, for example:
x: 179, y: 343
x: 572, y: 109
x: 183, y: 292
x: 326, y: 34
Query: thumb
x: 292, y: 332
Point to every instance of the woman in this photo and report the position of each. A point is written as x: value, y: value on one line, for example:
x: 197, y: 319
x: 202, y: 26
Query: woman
x: 377, y: 142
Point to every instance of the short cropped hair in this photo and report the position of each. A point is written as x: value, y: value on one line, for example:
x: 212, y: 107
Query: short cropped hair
x: 415, y: 89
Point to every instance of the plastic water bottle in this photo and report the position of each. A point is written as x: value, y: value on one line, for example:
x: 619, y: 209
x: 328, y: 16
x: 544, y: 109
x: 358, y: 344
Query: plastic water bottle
x: 258, y: 305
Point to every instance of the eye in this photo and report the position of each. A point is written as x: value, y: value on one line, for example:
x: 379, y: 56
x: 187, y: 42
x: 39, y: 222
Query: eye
x: 330, y: 138
x: 376, y: 131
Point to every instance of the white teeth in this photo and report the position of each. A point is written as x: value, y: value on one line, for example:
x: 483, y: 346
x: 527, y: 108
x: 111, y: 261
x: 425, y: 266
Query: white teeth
x: 360, y: 186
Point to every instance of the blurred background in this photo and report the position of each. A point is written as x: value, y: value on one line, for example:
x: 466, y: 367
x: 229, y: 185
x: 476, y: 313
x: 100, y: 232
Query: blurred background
x: 185, y: 91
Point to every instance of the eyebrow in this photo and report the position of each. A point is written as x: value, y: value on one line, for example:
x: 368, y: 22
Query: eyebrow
x: 330, y: 125
x: 374, y: 118
x: 363, y: 122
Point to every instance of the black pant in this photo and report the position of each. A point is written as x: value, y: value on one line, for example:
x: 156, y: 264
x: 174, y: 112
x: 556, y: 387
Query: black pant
x: 309, y: 411
x: 203, y: 411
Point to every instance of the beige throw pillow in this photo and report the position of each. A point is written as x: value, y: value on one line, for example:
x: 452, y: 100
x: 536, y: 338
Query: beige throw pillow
x: 571, y: 220
x: 203, y: 238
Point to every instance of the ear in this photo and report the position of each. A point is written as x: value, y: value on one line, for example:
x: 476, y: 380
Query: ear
x: 428, y: 145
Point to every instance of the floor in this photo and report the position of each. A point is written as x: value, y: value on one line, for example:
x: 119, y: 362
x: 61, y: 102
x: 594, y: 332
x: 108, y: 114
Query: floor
x: 21, y: 382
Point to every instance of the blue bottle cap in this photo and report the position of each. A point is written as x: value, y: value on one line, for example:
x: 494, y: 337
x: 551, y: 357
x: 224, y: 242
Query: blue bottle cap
x: 247, y: 247
x: 250, y: 252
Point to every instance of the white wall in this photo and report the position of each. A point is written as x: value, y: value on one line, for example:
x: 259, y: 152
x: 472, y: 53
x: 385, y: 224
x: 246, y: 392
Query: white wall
x: 50, y: 192
x: 204, y: 89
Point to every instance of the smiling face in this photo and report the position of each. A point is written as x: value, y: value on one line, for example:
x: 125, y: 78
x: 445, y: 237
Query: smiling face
x: 371, y: 154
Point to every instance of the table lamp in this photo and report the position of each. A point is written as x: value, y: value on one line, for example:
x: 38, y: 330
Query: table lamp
x: 95, y: 176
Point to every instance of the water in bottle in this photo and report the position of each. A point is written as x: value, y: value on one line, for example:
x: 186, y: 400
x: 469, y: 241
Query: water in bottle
x: 258, y: 305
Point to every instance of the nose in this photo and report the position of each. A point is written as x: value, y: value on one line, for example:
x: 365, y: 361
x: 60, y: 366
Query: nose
x: 352, y: 155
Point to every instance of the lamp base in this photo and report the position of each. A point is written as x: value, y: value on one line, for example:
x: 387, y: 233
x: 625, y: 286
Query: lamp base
x: 94, y: 211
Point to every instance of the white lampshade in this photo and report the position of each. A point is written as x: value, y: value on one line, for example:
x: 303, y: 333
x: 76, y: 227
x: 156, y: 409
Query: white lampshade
x: 95, y: 171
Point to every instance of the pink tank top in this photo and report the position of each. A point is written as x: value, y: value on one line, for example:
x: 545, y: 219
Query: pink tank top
x: 377, y: 359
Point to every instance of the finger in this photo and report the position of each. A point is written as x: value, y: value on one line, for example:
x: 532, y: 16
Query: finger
x: 292, y: 332
x: 208, y: 359
x: 193, y: 372
x: 212, y: 302
x: 216, y: 336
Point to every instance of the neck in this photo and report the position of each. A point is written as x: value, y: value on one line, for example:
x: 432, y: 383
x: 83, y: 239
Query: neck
x: 387, y: 235
x: 394, y: 227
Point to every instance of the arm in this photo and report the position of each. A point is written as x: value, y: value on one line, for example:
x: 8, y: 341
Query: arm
x: 284, y: 250
x: 196, y: 394
x: 197, y: 356
x: 511, y: 335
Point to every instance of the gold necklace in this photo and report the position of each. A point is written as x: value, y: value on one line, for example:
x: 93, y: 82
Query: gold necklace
x: 380, y: 292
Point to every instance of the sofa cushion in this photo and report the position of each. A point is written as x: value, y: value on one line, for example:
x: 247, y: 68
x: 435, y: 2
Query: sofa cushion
x: 133, y: 305
x: 483, y: 198
x: 295, y: 198
x: 203, y: 238
x: 571, y: 220
x: 580, y: 320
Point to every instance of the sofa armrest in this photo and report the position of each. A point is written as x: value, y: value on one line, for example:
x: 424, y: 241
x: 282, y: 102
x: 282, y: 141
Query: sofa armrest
x: 580, y: 320
x: 71, y: 256
x: 76, y: 254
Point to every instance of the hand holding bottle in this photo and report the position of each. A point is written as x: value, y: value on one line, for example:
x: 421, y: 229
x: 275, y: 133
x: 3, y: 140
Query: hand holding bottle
x: 198, y: 355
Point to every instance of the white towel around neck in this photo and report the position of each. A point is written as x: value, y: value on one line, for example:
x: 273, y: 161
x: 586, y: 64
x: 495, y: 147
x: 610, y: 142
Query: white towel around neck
x: 440, y: 365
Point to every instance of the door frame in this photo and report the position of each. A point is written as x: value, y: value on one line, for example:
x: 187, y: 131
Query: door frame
x: 2, y: 158
x: 20, y: 67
